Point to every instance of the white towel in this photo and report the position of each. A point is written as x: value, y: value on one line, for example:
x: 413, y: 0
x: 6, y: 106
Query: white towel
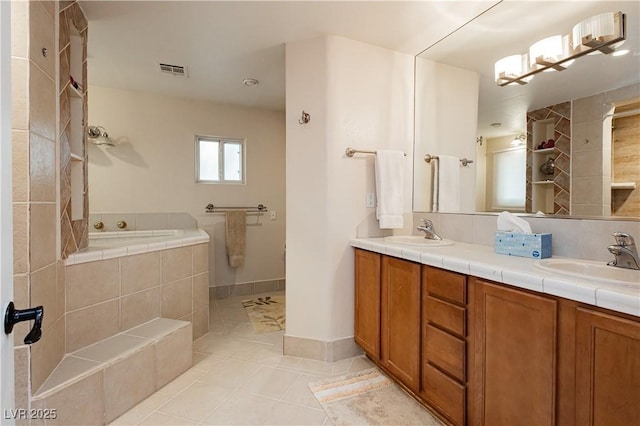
x: 389, y: 188
x: 448, y: 183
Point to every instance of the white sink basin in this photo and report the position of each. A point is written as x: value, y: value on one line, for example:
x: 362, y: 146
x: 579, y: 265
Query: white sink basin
x: 592, y: 271
x: 417, y: 240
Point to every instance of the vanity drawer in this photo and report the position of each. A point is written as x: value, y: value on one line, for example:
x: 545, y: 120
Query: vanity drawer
x: 446, y: 285
x: 446, y: 351
x: 446, y: 395
x: 446, y: 315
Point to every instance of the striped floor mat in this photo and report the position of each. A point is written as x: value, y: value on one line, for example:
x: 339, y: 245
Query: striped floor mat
x: 369, y: 398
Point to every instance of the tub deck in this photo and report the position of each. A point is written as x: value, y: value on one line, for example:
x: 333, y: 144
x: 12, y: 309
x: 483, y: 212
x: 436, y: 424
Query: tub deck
x: 109, y: 245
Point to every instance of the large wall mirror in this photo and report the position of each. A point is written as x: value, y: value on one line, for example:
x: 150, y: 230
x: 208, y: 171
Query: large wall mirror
x: 565, y: 143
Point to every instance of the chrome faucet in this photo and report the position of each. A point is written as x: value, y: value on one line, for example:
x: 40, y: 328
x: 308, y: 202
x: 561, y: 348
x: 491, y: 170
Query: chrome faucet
x: 429, y: 230
x: 625, y: 252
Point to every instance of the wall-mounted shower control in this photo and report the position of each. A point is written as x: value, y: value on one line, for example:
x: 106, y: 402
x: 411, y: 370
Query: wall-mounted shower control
x: 12, y: 316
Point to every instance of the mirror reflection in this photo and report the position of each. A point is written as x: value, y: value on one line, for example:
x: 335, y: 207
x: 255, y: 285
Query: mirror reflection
x: 565, y: 143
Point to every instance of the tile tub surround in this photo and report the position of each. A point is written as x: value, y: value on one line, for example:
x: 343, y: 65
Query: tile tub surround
x: 481, y: 261
x: 109, y: 295
x: 143, y: 221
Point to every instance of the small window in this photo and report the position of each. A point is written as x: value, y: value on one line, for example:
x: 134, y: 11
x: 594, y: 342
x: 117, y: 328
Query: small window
x: 219, y: 160
x: 509, y: 180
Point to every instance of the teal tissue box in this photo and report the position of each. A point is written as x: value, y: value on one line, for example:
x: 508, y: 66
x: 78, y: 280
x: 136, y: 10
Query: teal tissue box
x: 535, y: 246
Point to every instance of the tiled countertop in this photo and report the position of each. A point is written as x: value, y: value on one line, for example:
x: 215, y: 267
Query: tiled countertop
x: 481, y: 261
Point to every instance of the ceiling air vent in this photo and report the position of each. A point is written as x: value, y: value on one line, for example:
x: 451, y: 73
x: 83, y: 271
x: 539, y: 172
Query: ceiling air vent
x: 173, y: 69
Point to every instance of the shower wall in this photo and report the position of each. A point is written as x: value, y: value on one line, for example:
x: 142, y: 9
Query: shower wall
x: 38, y: 265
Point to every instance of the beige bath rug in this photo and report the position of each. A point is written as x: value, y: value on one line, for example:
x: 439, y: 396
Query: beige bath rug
x: 369, y: 398
x: 267, y: 313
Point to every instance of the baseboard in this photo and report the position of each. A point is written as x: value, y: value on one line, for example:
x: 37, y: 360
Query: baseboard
x: 246, y: 289
x: 321, y: 350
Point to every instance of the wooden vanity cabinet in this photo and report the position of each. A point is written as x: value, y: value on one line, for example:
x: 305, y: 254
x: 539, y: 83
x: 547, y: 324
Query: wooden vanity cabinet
x: 444, y: 342
x: 400, y: 320
x: 607, y: 369
x: 514, y: 360
x: 482, y: 353
x: 367, y: 301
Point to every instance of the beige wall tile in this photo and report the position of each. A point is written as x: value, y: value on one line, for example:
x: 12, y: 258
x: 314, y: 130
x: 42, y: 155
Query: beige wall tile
x: 200, y: 291
x: 41, y: 36
x: 19, y: 94
x: 92, y: 324
x: 44, y: 358
x: 42, y: 169
x: 177, y: 298
x: 139, y: 307
x: 43, y: 293
x: 150, y: 221
x: 200, y: 258
x: 20, y: 165
x: 22, y: 300
x: 122, y: 389
x: 49, y: 6
x: 21, y: 374
x: 60, y: 287
x: 42, y: 235
x: 64, y: 30
x: 19, y: 29
x: 200, y: 323
x: 92, y: 282
x: 140, y: 272
x: 173, y: 355
x: 20, y: 238
x: 42, y: 103
x: 80, y: 404
x: 176, y: 264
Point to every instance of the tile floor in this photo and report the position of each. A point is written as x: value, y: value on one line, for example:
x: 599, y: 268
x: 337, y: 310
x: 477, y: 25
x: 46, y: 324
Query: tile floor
x: 240, y: 377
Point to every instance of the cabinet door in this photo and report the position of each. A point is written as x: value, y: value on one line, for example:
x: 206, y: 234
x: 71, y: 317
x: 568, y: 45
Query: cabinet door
x: 367, y: 301
x: 607, y: 369
x: 401, y: 320
x: 515, y: 357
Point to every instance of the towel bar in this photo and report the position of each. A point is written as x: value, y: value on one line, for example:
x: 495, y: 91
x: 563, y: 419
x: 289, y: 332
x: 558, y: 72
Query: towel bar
x: 260, y: 208
x: 349, y: 152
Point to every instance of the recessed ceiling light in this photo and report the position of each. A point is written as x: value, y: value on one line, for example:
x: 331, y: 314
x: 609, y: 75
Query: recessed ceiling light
x: 496, y: 125
x: 250, y: 82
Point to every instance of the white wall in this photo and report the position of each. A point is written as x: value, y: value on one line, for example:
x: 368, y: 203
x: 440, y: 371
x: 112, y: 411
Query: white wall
x: 446, y: 113
x: 152, y: 170
x: 361, y: 96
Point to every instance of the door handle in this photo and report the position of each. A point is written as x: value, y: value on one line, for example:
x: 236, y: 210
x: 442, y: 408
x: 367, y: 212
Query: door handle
x: 12, y: 316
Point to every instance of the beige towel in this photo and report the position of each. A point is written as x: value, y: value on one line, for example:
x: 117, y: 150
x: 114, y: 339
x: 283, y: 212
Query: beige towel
x: 236, y: 230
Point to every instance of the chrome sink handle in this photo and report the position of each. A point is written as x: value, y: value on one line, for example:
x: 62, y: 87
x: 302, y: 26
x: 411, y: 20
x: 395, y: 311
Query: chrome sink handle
x: 623, y: 239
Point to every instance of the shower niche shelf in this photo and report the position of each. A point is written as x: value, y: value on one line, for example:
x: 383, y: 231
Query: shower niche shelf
x: 542, y: 190
x: 623, y: 185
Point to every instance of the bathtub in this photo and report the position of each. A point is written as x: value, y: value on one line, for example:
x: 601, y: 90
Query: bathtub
x: 109, y: 245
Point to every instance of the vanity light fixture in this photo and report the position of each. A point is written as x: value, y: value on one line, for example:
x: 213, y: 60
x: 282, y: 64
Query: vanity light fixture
x: 99, y: 136
x: 601, y: 33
